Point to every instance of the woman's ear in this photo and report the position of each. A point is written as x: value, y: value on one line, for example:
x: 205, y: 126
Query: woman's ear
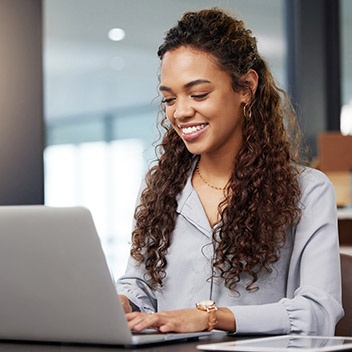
x: 251, y: 79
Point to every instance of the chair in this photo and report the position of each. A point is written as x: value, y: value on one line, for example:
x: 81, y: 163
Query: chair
x: 344, y: 326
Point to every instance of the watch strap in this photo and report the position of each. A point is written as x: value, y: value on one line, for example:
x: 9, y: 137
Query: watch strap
x: 211, y: 309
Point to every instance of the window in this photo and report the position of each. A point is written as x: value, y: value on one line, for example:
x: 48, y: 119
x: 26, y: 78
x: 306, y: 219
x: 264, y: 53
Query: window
x: 104, y: 177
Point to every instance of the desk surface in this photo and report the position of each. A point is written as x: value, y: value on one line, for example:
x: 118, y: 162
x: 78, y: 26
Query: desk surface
x: 180, y: 346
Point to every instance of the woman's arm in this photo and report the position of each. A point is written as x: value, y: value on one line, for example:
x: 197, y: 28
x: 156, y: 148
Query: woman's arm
x: 312, y: 304
x: 134, y: 292
x: 182, y: 320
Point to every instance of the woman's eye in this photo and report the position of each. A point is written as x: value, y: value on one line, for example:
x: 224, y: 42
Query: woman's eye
x: 168, y: 101
x: 199, y: 96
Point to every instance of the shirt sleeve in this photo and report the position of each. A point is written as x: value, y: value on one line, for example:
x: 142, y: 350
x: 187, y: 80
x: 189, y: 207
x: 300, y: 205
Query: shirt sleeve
x: 312, y: 305
x: 136, y: 289
x: 133, y: 285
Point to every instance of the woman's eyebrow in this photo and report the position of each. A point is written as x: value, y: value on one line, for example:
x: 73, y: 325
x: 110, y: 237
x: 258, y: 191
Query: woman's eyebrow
x: 164, y: 89
x: 187, y: 85
x: 195, y: 82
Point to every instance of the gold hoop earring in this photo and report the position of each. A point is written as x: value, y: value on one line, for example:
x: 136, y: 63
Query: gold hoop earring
x: 247, y: 112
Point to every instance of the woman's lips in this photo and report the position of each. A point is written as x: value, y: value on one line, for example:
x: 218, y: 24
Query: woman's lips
x: 192, y: 132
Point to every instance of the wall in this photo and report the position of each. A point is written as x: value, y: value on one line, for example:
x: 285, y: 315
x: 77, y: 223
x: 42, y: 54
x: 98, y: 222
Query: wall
x: 314, y: 65
x: 21, y: 102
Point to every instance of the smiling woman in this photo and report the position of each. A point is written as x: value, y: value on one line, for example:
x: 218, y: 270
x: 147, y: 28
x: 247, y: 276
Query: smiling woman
x: 228, y: 213
x: 201, y: 104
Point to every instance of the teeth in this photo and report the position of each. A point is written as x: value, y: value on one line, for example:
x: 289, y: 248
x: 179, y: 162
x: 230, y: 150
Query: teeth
x: 189, y: 130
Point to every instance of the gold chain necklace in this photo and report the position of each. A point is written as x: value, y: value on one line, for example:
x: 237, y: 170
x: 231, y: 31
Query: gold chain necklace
x: 205, y: 181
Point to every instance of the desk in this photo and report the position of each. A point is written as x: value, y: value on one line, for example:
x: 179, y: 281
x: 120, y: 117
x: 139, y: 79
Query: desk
x: 179, y: 346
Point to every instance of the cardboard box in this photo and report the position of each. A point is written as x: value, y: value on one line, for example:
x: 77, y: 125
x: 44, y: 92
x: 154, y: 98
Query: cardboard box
x: 342, y: 184
x: 334, y: 152
x: 335, y: 160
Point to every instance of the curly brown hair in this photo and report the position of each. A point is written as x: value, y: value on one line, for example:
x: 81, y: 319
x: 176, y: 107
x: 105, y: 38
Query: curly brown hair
x: 261, y: 200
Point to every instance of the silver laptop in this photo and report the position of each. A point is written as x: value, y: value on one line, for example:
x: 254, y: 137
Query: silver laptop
x: 55, y: 281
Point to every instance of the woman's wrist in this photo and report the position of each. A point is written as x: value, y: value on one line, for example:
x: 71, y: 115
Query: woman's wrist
x: 125, y: 302
x: 226, y: 320
x: 217, y: 318
x: 203, y: 319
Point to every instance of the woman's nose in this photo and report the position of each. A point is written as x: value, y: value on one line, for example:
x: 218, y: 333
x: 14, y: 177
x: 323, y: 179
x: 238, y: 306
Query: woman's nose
x: 183, y: 109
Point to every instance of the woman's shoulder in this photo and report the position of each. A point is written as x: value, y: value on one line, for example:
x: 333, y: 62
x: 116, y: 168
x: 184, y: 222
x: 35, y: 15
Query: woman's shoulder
x: 308, y: 175
x: 310, y: 179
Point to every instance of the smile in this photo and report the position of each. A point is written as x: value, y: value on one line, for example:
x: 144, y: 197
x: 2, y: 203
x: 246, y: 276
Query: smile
x: 192, y: 129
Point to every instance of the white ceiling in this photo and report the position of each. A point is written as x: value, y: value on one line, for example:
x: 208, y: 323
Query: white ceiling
x: 79, y: 78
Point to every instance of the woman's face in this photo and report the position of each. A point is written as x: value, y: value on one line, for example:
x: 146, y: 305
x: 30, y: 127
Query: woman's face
x: 200, y: 103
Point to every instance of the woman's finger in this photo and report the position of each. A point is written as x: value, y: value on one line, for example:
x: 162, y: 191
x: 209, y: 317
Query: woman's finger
x: 141, y: 321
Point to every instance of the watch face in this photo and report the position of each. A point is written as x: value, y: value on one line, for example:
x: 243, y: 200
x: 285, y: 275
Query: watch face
x: 206, y: 302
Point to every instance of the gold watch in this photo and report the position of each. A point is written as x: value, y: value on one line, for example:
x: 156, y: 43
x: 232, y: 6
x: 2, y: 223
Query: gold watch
x: 210, y: 307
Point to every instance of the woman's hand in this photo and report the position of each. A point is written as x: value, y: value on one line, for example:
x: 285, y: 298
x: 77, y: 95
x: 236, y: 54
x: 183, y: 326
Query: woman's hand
x: 183, y: 320
x: 125, y: 304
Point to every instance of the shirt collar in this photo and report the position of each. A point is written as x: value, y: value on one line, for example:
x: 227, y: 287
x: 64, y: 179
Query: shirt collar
x: 190, y: 207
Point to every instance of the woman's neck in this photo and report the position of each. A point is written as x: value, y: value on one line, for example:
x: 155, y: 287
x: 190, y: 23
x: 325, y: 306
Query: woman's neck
x: 215, y: 172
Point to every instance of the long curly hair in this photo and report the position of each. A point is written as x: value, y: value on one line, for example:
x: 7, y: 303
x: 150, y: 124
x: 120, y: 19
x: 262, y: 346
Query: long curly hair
x: 262, y: 196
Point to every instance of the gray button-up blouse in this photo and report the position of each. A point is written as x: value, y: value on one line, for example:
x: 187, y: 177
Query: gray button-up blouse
x: 301, y: 295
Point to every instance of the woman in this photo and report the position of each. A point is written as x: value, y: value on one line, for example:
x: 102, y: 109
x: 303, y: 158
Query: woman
x: 227, y: 215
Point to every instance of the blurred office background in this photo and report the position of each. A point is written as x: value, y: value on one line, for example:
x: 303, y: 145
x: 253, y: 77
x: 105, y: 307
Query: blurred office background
x: 87, y: 101
x: 99, y: 99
